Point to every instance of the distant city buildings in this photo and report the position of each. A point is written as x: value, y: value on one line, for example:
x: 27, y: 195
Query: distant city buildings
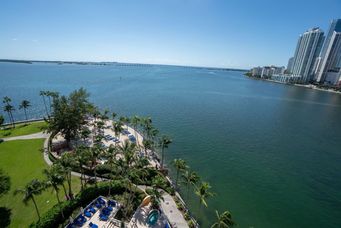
x: 317, y: 59
x: 289, y: 66
x: 267, y: 71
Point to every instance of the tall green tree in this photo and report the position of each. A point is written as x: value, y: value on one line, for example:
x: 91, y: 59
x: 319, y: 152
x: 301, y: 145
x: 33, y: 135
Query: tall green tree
x: 43, y: 95
x: 203, y: 192
x: 69, y: 114
x: 2, y: 120
x: 156, y: 197
x: 190, y: 178
x: 32, y: 189
x: 5, y: 183
x: 118, y: 128
x: 49, y: 95
x: 135, y: 121
x: 55, y: 178
x: 95, y: 152
x: 114, y: 115
x: 180, y: 166
x: 147, y: 145
x: 25, y: 104
x: 111, y: 154
x: 67, y: 162
x: 223, y: 220
x: 82, y: 156
x: 125, y: 120
x: 9, y: 109
x: 164, y: 144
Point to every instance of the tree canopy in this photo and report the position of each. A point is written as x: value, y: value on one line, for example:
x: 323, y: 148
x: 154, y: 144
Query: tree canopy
x: 69, y: 114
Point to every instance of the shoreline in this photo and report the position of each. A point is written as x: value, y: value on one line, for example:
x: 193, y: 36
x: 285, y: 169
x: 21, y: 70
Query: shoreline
x: 308, y: 86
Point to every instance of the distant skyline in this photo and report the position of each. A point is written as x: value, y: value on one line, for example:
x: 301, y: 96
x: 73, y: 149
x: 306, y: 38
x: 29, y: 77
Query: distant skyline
x: 235, y: 34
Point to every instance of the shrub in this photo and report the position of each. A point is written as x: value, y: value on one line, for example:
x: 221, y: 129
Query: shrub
x: 103, y: 169
x: 187, y: 216
x: 191, y: 224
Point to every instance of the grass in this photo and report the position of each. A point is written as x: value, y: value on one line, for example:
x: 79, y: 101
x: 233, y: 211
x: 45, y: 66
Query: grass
x: 23, y: 161
x: 22, y: 129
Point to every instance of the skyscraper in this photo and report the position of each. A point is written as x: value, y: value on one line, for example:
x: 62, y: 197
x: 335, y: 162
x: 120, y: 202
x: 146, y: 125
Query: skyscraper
x: 329, y: 66
x: 307, y: 50
x: 289, y: 66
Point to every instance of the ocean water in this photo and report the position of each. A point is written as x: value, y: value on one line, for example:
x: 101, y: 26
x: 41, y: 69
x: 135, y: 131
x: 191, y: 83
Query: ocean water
x: 271, y: 152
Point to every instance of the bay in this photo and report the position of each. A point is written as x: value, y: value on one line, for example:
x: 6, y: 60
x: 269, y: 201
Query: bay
x: 270, y: 151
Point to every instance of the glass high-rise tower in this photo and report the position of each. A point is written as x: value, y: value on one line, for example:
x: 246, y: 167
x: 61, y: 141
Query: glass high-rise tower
x: 307, y: 50
x: 330, y: 64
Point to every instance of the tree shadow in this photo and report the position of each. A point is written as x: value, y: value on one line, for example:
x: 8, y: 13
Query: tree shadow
x: 5, y: 216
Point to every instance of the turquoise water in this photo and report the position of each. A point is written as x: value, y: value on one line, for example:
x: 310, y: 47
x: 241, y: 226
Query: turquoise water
x: 271, y: 152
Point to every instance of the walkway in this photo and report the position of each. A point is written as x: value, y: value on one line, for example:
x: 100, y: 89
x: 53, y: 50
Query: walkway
x: 39, y: 135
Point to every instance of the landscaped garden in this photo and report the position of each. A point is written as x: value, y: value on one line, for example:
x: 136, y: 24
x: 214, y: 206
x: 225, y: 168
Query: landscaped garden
x: 22, y: 129
x: 23, y: 161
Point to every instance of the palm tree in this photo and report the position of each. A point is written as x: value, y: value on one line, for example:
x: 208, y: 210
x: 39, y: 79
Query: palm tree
x: 114, y: 115
x: 111, y: 161
x: 118, y: 128
x: 180, y: 165
x: 203, y: 192
x: 224, y: 220
x: 164, y: 143
x: 135, y: 120
x: 9, y: 109
x: 95, y: 152
x: 2, y: 120
x: 190, y: 178
x: 125, y: 120
x: 128, y: 150
x: 55, y: 178
x: 156, y: 197
x: 53, y: 95
x: 147, y: 145
x: 24, y: 105
x: 67, y: 162
x: 43, y: 94
x: 33, y: 188
x: 82, y: 156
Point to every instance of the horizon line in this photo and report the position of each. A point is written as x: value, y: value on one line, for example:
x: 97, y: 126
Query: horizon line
x: 112, y: 62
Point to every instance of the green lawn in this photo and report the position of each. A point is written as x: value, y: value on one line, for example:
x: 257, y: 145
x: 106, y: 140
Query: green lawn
x: 22, y: 129
x: 23, y: 161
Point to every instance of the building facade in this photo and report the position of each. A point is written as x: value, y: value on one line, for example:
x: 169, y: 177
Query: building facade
x: 307, y: 50
x: 328, y: 69
x: 289, y: 66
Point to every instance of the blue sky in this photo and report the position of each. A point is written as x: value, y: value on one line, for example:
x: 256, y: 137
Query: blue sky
x: 225, y: 33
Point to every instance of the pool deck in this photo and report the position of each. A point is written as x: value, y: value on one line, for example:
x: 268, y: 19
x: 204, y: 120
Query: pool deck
x: 170, y: 210
x: 139, y: 219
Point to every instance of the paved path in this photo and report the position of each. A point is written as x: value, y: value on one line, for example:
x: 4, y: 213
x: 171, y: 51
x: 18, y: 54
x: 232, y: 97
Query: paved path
x: 39, y: 135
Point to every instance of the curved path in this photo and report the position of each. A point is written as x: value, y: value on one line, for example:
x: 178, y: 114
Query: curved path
x: 39, y: 135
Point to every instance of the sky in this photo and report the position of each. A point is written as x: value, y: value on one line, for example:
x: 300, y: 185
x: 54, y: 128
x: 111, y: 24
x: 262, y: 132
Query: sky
x: 216, y: 33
